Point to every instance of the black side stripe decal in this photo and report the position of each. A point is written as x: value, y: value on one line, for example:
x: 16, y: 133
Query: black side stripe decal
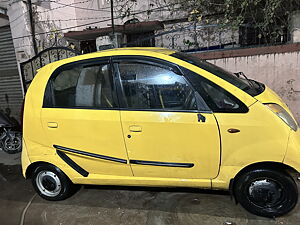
x: 139, y: 162
x: 72, y: 164
x: 169, y: 164
x: 90, y: 154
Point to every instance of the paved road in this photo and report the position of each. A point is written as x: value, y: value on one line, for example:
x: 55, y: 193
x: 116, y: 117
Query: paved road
x: 121, y: 205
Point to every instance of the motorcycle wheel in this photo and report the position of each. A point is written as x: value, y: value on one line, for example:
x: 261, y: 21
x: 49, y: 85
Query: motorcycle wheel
x: 12, y: 145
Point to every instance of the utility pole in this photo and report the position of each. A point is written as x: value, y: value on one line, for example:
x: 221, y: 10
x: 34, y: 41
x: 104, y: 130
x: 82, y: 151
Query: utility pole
x: 112, y: 16
x: 32, y: 26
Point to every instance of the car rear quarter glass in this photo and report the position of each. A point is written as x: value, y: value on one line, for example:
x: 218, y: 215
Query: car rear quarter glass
x: 81, y: 86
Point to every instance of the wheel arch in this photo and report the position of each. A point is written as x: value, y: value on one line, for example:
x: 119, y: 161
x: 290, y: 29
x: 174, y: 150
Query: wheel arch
x: 32, y: 166
x: 268, y: 165
x: 264, y: 165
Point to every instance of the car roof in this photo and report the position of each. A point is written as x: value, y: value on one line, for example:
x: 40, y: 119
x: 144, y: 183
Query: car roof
x: 138, y: 49
x: 114, y: 52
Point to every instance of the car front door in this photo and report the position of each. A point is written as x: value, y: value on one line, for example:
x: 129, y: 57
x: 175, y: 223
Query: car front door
x: 168, y: 130
x: 80, y: 117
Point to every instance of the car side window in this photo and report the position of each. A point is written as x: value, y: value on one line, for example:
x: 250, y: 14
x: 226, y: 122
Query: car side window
x: 150, y: 86
x: 82, y: 86
x: 218, y: 99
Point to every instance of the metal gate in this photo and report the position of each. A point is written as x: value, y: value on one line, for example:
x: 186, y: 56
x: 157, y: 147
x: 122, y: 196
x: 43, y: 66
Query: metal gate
x: 11, y: 96
x: 30, y: 67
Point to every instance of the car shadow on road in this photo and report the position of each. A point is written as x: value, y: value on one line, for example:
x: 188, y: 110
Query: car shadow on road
x: 170, y: 200
x: 169, y: 204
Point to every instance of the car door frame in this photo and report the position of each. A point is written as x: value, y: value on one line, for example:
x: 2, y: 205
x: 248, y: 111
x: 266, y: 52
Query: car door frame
x: 152, y: 61
x: 49, y: 92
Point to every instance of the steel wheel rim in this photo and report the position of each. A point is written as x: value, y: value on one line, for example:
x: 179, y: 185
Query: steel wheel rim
x: 48, y: 183
x: 266, y: 193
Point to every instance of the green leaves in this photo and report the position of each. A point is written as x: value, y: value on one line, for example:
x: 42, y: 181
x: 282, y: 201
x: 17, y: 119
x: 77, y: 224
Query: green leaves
x: 268, y: 17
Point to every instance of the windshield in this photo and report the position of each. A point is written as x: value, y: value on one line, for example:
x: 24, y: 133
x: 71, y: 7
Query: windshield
x: 251, y: 87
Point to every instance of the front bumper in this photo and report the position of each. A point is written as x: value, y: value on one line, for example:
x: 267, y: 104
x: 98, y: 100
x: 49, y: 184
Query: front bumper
x: 292, y: 156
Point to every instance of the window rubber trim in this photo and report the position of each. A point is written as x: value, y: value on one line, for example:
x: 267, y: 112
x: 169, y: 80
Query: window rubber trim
x: 167, y: 164
x: 93, y: 155
x: 72, y: 164
x: 155, y: 62
x: 244, y: 109
x: 150, y: 60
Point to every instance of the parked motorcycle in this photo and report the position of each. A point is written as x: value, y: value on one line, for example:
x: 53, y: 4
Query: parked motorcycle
x: 10, y: 136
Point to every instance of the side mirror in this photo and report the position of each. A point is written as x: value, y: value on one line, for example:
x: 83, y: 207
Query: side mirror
x: 201, y: 118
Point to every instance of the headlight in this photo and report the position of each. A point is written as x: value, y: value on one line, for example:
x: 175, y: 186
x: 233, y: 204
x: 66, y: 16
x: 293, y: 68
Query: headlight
x: 283, y: 114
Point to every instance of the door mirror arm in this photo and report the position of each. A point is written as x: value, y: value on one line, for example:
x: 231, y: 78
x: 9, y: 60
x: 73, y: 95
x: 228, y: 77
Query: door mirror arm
x: 201, y: 118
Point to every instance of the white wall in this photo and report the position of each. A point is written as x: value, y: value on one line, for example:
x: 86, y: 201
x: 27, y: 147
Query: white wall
x: 135, y: 7
x: 19, y: 24
x: 54, y: 21
x: 47, y: 21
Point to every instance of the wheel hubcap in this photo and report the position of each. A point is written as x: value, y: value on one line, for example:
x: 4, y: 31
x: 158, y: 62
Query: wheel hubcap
x: 48, y: 183
x: 265, y: 193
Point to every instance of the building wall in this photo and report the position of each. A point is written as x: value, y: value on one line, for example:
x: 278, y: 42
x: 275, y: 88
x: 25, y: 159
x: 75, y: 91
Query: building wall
x: 188, y: 36
x: 138, y: 9
x: 19, y: 24
x: 49, y: 19
x: 183, y: 39
x: 279, y: 71
x: 54, y: 18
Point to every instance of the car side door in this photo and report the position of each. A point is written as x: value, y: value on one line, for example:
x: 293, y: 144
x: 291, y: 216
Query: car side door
x: 80, y: 117
x: 168, y: 129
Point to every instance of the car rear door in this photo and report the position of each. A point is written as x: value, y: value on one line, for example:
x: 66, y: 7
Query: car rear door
x: 168, y: 130
x: 80, y: 117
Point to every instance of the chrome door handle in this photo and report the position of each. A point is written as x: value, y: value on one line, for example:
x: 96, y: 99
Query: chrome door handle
x: 135, y: 128
x: 52, y: 125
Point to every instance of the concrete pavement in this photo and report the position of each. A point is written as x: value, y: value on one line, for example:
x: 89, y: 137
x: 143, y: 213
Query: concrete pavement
x: 122, y: 205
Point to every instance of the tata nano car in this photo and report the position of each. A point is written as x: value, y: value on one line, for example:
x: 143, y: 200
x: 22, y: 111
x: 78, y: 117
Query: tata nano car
x: 155, y: 117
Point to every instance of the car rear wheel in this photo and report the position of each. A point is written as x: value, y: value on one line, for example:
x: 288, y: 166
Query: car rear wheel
x: 266, y: 192
x: 51, y: 183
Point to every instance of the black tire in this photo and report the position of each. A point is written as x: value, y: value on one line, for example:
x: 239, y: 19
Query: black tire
x: 51, y: 183
x: 12, y: 146
x: 266, y: 192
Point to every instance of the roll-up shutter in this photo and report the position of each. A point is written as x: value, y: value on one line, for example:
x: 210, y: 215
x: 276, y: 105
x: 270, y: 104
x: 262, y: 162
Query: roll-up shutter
x: 11, y: 96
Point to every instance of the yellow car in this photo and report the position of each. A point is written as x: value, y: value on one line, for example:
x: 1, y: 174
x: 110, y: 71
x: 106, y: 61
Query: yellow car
x: 156, y: 117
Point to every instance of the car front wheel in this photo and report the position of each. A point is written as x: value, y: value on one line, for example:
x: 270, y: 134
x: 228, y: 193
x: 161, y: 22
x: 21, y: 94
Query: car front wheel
x: 266, y: 192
